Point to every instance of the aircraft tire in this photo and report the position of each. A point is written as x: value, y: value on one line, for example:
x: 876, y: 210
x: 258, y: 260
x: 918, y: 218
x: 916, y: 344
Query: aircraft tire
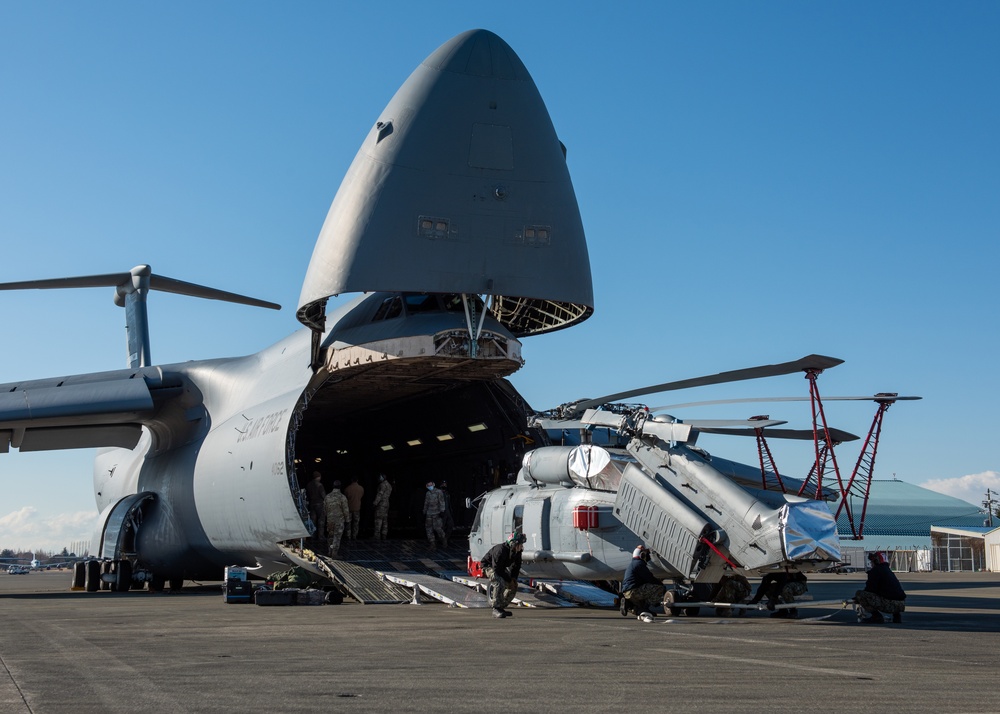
x: 79, y: 575
x: 107, y: 567
x: 176, y: 584
x: 669, y: 598
x: 92, y: 581
x: 123, y: 576
x: 156, y: 584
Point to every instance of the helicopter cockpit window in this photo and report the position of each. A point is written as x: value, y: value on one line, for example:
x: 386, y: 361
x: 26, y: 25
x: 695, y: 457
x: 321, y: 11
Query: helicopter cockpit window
x: 391, y: 307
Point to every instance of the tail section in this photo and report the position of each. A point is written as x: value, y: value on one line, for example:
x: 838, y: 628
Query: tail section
x: 131, y: 289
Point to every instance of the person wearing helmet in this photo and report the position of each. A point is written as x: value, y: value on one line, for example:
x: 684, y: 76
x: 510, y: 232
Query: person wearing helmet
x: 639, y: 586
x: 433, y: 510
x: 882, y: 592
x: 382, y: 508
x: 502, y: 565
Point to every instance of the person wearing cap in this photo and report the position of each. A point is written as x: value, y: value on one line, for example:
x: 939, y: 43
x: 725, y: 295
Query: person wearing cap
x: 882, y: 592
x: 354, y: 492
x: 338, y: 513
x: 639, y: 586
x: 433, y: 510
x: 502, y: 565
x: 382, y: 508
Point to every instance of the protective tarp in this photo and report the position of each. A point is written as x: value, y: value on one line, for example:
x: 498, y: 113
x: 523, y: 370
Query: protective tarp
x: 588, y: 465
x: 809, y: 532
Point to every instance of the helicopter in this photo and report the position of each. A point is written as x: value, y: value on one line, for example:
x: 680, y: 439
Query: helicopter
x: 583, y: 507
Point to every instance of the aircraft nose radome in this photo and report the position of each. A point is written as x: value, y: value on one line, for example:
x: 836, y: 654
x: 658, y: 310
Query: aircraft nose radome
x: 461, y: 186
x: 479, y: 53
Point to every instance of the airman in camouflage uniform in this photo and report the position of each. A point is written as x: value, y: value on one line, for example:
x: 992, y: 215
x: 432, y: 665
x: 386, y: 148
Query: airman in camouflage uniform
x: 433, y: 509
x: 337, y: 515
x: 733, y: 587
x: 382, y: 508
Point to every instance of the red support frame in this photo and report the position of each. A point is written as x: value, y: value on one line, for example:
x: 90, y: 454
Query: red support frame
x: 865, y: 467
x: 766, y: 458
x: 825, y: 453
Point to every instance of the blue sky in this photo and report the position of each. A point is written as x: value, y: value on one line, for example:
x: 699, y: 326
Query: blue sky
x: 758, y: 181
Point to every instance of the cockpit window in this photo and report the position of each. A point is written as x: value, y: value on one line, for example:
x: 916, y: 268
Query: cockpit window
x: 391, y: 307
x: 434, y: 302
x: 420, y: 303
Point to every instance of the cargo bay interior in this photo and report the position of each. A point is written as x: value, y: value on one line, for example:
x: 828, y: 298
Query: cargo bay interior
x: 472, y: 434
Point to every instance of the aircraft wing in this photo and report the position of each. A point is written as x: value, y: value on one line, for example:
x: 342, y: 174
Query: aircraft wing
x: 82, y: 411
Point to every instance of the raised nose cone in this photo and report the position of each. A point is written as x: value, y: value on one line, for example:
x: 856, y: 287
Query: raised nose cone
x: 461, y: 186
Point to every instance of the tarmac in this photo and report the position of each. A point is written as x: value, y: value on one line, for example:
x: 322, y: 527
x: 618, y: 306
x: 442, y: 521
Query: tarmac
x: 63, y: 651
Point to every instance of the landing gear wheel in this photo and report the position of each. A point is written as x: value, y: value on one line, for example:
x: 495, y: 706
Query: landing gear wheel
x: 156, y: 584
x: 93, y: 576
x: 669, y: 598
x: 123, y: 576
x: 79, y: 575
x: 176, y: 584
x: 106, y: 569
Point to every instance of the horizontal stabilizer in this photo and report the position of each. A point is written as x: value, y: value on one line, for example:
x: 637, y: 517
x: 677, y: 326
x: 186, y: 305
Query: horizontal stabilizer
x: 126, y: 281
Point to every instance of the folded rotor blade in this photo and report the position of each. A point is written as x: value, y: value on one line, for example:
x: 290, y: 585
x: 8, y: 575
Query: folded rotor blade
x: 839, y: 436
x: 705, y: 424
x: 748, y: 400
x: 818, y: 362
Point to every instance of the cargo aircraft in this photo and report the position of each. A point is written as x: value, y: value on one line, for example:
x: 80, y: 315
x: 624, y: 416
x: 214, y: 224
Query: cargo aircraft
x: 458, y: 225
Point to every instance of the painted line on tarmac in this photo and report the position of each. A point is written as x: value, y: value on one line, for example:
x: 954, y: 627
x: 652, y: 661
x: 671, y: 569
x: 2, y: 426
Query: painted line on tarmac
x: 768, y: 663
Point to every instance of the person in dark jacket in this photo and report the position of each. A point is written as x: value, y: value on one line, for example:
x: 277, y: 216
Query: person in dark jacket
x: 502, y: 565
x: 882, y: 592
x: 316, y: 495
x: 639, y: 586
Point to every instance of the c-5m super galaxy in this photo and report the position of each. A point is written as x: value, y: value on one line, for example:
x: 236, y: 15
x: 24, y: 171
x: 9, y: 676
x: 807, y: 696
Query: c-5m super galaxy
x: 458, y: 223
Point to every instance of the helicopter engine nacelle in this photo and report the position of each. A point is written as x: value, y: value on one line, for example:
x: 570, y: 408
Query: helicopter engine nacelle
x: 566, y: 466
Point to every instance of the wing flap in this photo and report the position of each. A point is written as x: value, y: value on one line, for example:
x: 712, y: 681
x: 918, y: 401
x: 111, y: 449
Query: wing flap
x: 79, y: 437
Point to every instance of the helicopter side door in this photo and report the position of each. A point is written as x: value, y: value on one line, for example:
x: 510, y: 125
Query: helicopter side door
x: 535, y: 523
